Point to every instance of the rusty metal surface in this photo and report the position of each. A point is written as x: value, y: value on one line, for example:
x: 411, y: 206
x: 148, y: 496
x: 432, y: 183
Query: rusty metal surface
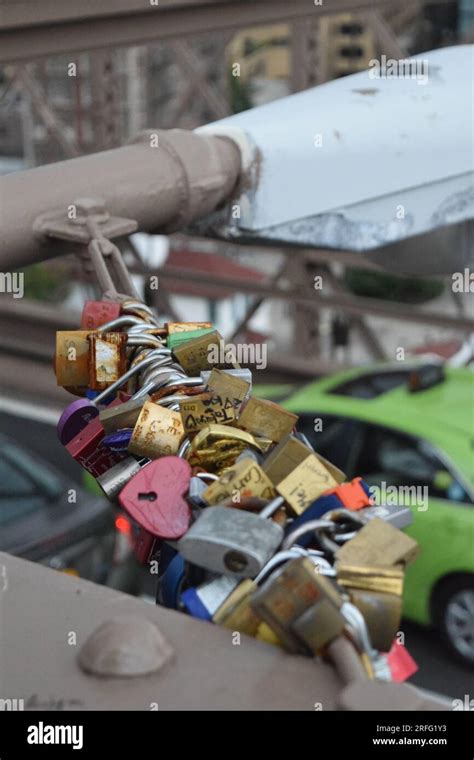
x: 208, y: 671
x: 163, y: 181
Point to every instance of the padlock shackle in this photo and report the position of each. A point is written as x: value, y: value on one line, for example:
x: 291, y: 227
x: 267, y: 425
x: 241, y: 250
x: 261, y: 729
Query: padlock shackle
x: 308, y: 527
x: 152, y: 357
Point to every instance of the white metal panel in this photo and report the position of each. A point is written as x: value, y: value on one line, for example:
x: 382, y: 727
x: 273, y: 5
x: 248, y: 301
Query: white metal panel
x: 395, y: 160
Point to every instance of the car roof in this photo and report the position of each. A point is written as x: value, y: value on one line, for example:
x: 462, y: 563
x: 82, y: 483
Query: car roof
x: 443, y: 414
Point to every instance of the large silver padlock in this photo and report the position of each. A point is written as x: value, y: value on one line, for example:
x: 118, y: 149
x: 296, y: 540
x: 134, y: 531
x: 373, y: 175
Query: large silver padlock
x: 231, y: 541
x: 113, y: 480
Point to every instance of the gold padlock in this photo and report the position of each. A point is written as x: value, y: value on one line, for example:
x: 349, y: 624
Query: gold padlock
x: 305, y: 483
x: 236, y: 613
x: 319, y: 625
x: 206, y: 409
x: 244, y: 480
x: 378, y: 543
x: 158, y: 432
x: 228, y: 385
x: 181, y: 327
x: 288, y: 594
x: 388, y: 580
x: 107, y: 359
x: 193, y: 355
x: 266, y: 419
x: 288, y: 454
x: 212, y: 433
x: 382, y: 613
x: 284, y: 457
x: 265, y: 633
x: 72, y: 358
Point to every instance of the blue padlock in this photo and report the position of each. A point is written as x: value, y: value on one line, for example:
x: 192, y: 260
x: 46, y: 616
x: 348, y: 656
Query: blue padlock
x: 118, y: 440
x: 170, y: 582
x: 204, y: 601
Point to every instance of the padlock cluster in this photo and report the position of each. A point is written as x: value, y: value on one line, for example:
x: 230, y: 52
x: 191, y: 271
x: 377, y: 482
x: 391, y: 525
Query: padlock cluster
x: 251, y: 528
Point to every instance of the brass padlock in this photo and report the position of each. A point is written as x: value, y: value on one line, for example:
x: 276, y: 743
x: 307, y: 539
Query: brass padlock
x: 212, y: 433
x: 266, y: 419
x: 182, y: 327
x: 207, y: 409
x: 382, y: 613
x: 243, y: 480
x: 388, y: 580
x: 378, y: 543
x: 216, y: 447
x: 158, y: 432
x: 288, y: 454
x: 319, y: 625
x: 107, y: 359
x: 305, y: 483
x: 224, y: 384
x: 236, y: 613
x: 287, y: 594
x: 72, y: 358
x: 193, y: 355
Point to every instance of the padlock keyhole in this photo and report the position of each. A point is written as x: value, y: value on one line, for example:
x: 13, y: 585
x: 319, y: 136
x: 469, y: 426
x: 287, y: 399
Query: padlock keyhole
x: 235, y: 561
x: 148, y: 496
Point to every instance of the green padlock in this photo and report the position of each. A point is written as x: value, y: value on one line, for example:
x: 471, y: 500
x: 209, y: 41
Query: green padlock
x: 176, y: 339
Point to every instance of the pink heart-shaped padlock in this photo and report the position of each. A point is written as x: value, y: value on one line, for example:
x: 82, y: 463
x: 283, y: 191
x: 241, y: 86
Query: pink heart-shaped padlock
x: 154, y: 497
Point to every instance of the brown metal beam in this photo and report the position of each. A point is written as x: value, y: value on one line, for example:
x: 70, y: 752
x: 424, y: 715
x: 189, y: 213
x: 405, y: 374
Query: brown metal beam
x: 32, y: 30
x: 164, y: 180
x: 347, y: 303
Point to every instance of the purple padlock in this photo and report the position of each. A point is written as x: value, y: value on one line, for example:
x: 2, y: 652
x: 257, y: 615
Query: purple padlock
x: 118, y: 440
x: 75, y: 418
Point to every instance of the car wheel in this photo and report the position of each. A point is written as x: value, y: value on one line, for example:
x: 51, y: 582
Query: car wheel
x: 454, y: 616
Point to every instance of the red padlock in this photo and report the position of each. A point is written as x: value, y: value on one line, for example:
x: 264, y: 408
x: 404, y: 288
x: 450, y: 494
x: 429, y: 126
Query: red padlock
x: 143, y: 546
x: 97, y: 313
x: 86, y: 448
x: 155, y: 497
x: 401, y: 663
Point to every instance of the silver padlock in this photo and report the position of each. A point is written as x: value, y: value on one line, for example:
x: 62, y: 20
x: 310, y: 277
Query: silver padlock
x: 398, y: 516
x: 118, y: 476
x: 197, y: 486
x: 231, y: 541
x: 250, y: 454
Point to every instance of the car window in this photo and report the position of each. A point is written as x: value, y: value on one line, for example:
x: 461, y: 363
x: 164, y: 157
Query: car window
x: 392, y: 459
x: 336, y: 438
x: 371, y: 386
x: 19, y: 495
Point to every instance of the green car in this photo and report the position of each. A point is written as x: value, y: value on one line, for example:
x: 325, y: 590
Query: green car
x: 409, y: 432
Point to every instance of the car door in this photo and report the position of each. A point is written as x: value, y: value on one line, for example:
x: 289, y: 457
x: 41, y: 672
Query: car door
x: 336, y: 438
x: 403, y: 469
